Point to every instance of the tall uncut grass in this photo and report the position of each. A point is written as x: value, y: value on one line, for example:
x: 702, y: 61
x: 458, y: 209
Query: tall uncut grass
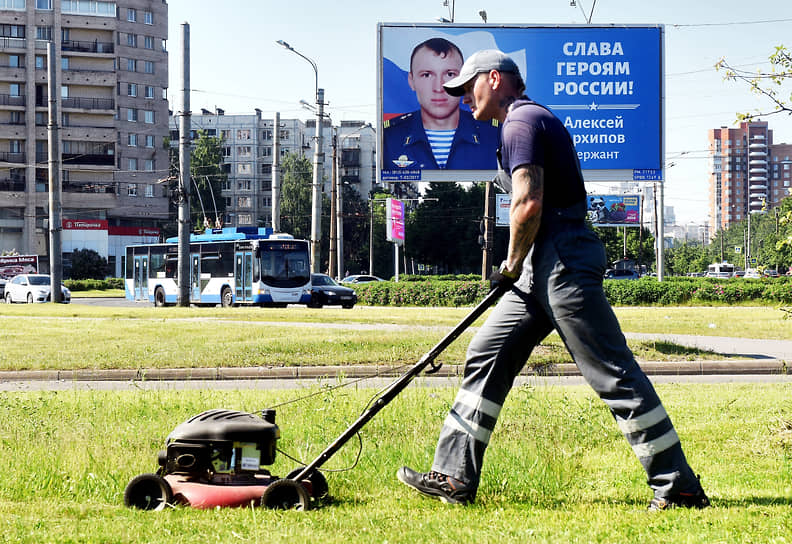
x: 557, y: 470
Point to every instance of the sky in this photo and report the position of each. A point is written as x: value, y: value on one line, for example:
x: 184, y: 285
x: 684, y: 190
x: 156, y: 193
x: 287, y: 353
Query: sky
x: 237, y: 65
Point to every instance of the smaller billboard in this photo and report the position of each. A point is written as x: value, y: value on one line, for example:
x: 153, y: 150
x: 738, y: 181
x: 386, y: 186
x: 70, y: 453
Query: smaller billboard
x: 502, y: 206
x: 11, y: 265
x: 394, y: 212
x: 614, y: 210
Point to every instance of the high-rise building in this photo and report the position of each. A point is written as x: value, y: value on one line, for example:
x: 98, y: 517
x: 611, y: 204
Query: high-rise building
x: 111, y: 73
x: 749, y: 173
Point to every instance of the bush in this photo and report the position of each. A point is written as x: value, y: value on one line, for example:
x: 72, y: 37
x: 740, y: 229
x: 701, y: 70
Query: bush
x: 643, y: 292
x: 94, y: 285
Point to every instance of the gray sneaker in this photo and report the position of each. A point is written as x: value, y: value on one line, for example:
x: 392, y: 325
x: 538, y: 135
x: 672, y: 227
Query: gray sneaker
x: 438, y: 486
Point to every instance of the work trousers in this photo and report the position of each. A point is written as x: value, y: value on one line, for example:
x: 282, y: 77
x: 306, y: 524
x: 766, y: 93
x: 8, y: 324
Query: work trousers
x: 560, y: 289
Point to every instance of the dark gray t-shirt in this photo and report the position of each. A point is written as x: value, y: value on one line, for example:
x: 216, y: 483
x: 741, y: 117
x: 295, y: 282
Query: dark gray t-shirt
x: 533, y: 135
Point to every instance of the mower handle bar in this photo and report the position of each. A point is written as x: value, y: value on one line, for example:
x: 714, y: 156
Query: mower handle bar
x: 401, y: 383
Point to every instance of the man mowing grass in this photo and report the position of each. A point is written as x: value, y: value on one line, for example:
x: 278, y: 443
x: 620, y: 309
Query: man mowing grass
x: 554, y: 266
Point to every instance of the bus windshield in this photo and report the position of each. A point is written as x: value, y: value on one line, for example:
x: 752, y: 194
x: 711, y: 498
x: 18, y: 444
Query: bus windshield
x: 284, y: 264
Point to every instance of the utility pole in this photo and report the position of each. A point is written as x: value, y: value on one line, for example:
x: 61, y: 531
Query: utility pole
x: 333, y: 210
x: 184, y: 179
x: 316, y: 197
x: 276, y: 182
x: 489, y: 230
x: 55, y: 219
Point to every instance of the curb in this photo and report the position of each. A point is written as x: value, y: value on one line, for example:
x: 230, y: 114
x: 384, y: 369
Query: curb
x: 675, y: 368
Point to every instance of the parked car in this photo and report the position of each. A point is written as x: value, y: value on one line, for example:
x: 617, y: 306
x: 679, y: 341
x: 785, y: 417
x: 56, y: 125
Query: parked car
x: 360, y: 278
x: 2, y: 287
x: 31, y: 288
x: 771, y: 273
x: 614, y: 274
x: 325, y: 291
x: 739, y: 273
x: 752, y: 273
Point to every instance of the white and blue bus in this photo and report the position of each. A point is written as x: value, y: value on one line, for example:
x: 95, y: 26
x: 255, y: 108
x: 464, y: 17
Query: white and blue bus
x: 229, y: 266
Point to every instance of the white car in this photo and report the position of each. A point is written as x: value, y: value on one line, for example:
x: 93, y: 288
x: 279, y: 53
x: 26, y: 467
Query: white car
x: 752, y: 273
x: 31, y: 288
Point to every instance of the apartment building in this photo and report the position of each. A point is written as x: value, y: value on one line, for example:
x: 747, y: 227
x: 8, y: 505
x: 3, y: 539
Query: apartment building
x: 111, y: 77
x: 749, y: 173
x: 248, y: 149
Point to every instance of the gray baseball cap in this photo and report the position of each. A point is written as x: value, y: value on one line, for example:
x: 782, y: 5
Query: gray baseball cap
x: 478, y: 63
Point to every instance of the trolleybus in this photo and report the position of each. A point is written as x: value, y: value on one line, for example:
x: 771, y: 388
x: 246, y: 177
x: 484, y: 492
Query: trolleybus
x: 229, y: 266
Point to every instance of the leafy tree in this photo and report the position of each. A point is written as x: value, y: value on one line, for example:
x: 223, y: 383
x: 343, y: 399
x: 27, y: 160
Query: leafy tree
x: 768, y: 84
x: 208, y: 178
x: 87, y: 264
x: 207, y: 207
x: 356, y: 233
x: 640, y: 244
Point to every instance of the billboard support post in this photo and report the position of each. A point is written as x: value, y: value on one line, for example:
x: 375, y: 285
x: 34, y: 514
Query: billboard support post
x: 489, y: 230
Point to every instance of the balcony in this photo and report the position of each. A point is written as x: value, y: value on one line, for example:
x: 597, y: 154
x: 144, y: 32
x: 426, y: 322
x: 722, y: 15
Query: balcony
x: 15, y: 185
x: 350, y: 179
x: 88, y: 103
x: 88, y: 159
x: 8, y: 156
x: 13, y: 43
x: 9, y: 100
x: 87, y: 47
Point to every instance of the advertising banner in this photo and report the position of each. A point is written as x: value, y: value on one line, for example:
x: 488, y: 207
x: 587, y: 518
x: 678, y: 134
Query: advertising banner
x: 11, y: 265
x: 394, y: 212
x: 605, y: 83
x: 614, y: 210
x: 502, y: 206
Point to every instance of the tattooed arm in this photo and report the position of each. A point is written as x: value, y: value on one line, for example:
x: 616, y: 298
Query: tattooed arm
x: 525, y: 214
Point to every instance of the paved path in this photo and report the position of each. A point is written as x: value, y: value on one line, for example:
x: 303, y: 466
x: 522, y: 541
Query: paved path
x: 741, y: 347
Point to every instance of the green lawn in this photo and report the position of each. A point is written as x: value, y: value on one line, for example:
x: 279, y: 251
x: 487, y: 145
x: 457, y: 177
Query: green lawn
x: 95, y: 337
x: 557, y: 469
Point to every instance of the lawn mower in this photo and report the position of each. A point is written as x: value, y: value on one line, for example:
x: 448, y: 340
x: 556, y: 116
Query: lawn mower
x: 216, y: 458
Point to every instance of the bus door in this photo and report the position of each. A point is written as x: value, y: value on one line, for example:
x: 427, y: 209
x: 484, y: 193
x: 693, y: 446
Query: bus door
x: 243, y: 275
x: 140, y: 278
x: 195, y: 277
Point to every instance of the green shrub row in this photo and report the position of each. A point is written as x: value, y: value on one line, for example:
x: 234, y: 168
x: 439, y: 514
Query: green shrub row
x: 94, y: 285
x: 646, y: 291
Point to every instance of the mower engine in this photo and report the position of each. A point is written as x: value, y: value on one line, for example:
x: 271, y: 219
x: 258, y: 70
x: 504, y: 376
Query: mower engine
x: 215, y: 459
x: 221, y: 446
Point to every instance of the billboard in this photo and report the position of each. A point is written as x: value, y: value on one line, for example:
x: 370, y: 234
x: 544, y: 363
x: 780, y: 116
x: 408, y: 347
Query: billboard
x: 605, y: 83
x: 11, y: 265
x: 614, y: 210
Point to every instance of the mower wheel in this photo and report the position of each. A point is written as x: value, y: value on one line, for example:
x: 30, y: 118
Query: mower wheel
x: 148, y: 492
x: 319, y: 487
x: 285, y: 495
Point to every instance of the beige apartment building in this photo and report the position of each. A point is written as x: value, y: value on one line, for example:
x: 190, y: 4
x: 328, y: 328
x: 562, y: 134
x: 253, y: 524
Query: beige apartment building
x: 111, y: 65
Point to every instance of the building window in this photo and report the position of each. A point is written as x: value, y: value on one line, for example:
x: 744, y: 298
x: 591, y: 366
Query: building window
x: 133, y: 140
x: 266, y: 134
x: 244, y: 168
x: 64, y: 91
x: 243, y: 202
x: 149, y: 140
x: 15, y: 89
x: 149, y: 190
x: 12, y: 4
x: 148, y: 42
x: 243, y: 151
x: 148, y: 18
x: 131, y: 40
x: 132, y: 115
x: 149, y: 67
x: 14, y: 61
x: 243, y: 134
x: 131, y: 65
x: 43, y: 4
x: 65, y: 61
x: 132, y: 15
x: 149, y: 91
x: 245, y: 219
x: 12, y: 31
x: 44, y: 33
x: 41, y: 62
x: 132, y: 164
x: 148, y: 165
x: 131, y: 89
x: 148, y: 116
x: 227, y: 151
x: 132, y: 189
x: 225, y: 134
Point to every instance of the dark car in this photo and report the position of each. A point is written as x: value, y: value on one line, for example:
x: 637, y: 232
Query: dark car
x: 326, y: 292
x: 614, y: 274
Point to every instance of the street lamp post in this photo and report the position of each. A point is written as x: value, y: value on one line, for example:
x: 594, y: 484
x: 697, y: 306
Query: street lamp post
x: 318, y: 161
